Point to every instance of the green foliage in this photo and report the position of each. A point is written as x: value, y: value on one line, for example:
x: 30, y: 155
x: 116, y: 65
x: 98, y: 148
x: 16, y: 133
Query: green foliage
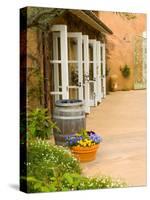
x: 79, y: 182
x: 40, y: 16
x: 125, y: 15
x: 39, y: 124
x: 125, y: 71
x: 46, y: 164
x: 83, y: 133
x: 74, y: 77
x: 35, y: 81
x: 40, y: 151
x: 73, y: 181
x: 22, y: 128
x: 83, y: 138
x: 52, y: 168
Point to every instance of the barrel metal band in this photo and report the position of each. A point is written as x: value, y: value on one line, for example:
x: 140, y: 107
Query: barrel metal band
x: 69, y: 110
x: 68, y: 117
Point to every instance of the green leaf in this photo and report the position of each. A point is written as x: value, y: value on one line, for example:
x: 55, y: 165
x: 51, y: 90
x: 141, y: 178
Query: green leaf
x: 52, y: 187
x: 68, y: 178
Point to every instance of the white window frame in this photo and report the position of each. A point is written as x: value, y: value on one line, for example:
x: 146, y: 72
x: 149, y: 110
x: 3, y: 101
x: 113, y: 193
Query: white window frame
x: 60, y: 31
x: 98, y: 73
x: 104, y: 70
x: 78, y: 37
x: 93, y: 102
x: 85, y: 40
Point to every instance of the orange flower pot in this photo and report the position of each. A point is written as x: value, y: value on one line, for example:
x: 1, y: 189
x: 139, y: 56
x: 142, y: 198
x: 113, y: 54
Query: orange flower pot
x: 85, y: 154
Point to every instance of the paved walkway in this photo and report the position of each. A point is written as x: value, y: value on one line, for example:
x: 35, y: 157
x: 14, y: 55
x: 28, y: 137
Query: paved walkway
x: 121, y: 120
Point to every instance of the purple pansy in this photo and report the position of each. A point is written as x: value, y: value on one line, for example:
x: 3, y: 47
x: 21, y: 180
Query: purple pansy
x: 72, y: 140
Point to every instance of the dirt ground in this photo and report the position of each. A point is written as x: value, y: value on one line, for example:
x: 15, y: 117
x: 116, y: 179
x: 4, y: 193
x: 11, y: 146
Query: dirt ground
x: 121, y: 120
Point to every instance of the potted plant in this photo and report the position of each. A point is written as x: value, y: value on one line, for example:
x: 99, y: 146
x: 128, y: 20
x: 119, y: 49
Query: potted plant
x: 84, y: 145
x: 125, y: 71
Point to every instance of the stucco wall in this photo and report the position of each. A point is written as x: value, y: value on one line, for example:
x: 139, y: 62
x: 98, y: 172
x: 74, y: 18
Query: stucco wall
x: 120, y: 45
x: 34, y: 68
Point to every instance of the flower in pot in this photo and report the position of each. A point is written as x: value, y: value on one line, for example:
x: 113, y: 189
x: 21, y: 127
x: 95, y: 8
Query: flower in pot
x: 84, y: 145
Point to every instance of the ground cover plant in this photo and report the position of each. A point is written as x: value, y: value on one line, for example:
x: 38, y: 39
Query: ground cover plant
x: 53, y: 168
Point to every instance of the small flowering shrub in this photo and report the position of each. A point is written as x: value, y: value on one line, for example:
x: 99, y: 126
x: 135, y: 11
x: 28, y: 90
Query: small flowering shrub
x: 51, y: 168
x: 45, y: 162
x: 40, y: 151
x: 79, y: 182
x: 83, y: 139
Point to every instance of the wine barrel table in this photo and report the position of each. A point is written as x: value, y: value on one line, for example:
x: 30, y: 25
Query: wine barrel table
x: 69, y: 116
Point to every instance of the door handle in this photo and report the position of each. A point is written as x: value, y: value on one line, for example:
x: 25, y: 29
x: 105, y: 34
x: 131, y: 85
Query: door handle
x: 86, y: 77
x: 79, y: 84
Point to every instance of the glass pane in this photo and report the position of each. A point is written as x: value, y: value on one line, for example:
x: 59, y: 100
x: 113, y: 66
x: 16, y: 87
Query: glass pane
x: 83, y: 91
x: 91, y: 90
x: 91, y: 52
x: 91, y: 73
x: 83, y: 52
x: 60, y: 75
x: 102, y: 89
x: 73, y: 74
x: 56, y: 77
x: 72, y: 49
x: 101, y: 69
x: 101, y: 53
x: 56, y: 52
x: 83, y: 73
x: 59, y: 49
x: 73, y: 93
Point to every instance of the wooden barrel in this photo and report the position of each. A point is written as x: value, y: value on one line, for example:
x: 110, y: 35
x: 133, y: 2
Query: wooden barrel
x: 69, y: 116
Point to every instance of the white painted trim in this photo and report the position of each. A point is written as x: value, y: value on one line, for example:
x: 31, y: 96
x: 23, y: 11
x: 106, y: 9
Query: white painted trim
x: 73, y: 61
x: 78, y: 36
x: 55, y: 61
x: 92, y: 42
x: 98, y: 77
x: 73, y: 86
x: 62, y: 33
x: 104, y: 69
x: 80, y: 66
x: 56, y: 70
x: 56, y: 93
x: 64, y: 59
x: 86, y: 71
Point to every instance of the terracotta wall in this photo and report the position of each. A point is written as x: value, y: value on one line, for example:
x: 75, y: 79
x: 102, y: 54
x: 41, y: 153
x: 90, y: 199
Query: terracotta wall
x: 120, y: 45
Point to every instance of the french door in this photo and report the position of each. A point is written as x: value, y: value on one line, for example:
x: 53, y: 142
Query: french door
x: 92, y: 73
x: 86, y: 91
x: 98, y: 72
x: 77, y: 67
x: 103, y: 71
x: 66, y: 64
x: 75, y: 72
x: 59, y: 63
